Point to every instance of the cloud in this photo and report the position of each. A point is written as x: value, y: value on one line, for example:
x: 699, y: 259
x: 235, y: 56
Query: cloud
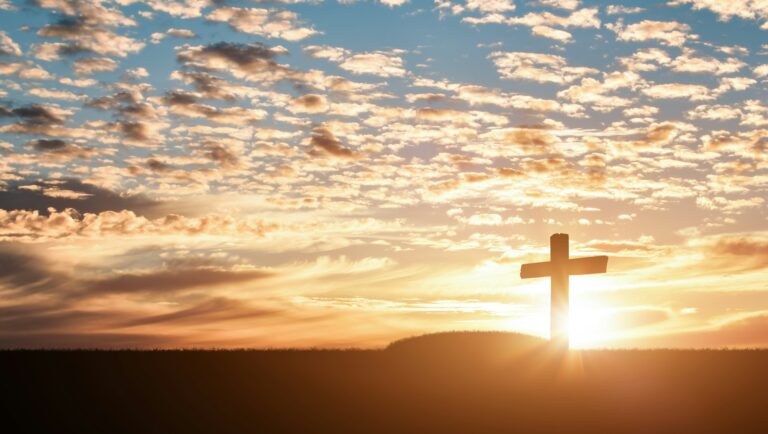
x: 379, y: 63
x: 714, y: 112
x: 27, y: 195
x: 334, y: 54
x: 36, y: 114
x: 252, y: 62
x: 32, y: 226
x: 182, y: 33
x: 221, y: 154
x: 57, y: 149
x: 83, y: 35
x: 747, y: 9
x: 539, y: 67
x: 670, y: 32
x: 583, y: 18
x: 490, y: 6
x: 92, y: 65
x: 688, y: 62
x: 694, y: 92
x: 213, y: 310
x: 562, y: 4
x: 182, y: 9
x: 55, y: 94
x: 595, y: 93
x: 90, y: 12
x: 7, y: 46
x: 325, y: 143
x: 551, y: 33
x: 138, y: 119
x: 169, y: 281
x: 264, y: 22
x: 532, y: 140
x: 309, y: 103
x: 41, y: 119
x: 622, y: 10
x: 26, y: 273
x: 186, y: 104
x: 743, y: 251
x: 485, y: 220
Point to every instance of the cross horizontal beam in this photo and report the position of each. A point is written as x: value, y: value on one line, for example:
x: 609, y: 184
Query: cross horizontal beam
x: 575, y: 266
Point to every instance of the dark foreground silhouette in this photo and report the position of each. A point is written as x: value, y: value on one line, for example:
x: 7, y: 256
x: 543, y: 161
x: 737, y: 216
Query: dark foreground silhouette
x: 445, y: 383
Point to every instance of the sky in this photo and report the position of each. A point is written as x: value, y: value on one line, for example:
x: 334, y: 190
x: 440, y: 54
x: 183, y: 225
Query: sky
x: 309, y: 173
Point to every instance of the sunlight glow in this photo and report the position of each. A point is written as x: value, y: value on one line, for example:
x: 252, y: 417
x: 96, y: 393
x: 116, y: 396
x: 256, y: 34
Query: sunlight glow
x: 590, y: 323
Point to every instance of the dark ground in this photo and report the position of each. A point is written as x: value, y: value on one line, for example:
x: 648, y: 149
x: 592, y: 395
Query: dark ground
x: 450, y: 383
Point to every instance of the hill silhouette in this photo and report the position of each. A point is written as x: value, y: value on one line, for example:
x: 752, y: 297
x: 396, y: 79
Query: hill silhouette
x: 443, y: 383
x: 479, y: 343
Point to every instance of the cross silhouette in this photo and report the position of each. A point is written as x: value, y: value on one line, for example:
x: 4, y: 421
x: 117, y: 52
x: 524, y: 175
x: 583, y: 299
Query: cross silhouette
x: 559, y: 269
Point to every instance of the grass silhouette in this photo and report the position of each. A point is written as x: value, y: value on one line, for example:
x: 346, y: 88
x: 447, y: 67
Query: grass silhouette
x: 480, y: 382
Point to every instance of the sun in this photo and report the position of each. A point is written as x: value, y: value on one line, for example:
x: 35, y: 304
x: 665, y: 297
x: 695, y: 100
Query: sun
x: 587, y: 327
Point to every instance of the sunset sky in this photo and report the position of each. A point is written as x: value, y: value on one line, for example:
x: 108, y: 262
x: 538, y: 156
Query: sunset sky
x: 345, y: 173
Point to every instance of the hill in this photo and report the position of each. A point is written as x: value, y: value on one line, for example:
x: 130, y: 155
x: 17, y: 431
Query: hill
x: 444, y: 383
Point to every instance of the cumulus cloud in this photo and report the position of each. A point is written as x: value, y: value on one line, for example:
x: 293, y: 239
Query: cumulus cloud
x: 182, y: 33
x: 485, y: 220
x: 694, y: 92
x: 33, y: 226
x: 324, y: 143
x: 714, y: 112
x: 622, y: 10
x: 58, y: 149
x: 36, y: 114
x: 334, y: 54
x: 490, y: 6
x: 176, y: 8
x: 309, y: 103
x: 669, y: 32
x: 380, y: 63
x: 595, y: 93
x: 531, y: 139
x: 582, y: 18
x: 747, y: 9
x: 540, y: 67
x: 551, y: 33
x: 82, y: 35
x: 186, y: 104
x: 688, y: 62
x: 562, y: 4
x: 7, y: 45
x: 28, y: 195
x: 264, y: 22
x: 54, y: 94
x: 92, y: 12
x: 252, y: 62
x: 93, y: 65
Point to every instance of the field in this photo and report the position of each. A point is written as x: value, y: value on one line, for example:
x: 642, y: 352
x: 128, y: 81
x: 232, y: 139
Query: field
x: 446, y: 383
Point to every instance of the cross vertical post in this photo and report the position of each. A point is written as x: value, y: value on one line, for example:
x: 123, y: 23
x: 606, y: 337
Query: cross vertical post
x: 560, y: 297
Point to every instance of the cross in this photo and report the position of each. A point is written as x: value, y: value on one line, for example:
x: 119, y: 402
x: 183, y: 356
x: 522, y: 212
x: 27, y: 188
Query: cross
x: 559, y: 268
